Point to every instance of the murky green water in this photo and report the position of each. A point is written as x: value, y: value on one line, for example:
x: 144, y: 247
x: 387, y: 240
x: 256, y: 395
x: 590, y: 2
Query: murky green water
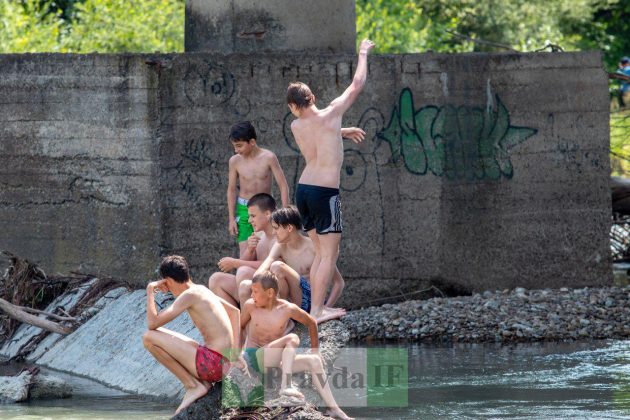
x: 553, y: 380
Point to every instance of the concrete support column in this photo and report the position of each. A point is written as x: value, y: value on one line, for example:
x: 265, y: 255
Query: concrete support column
x: 246, y: 26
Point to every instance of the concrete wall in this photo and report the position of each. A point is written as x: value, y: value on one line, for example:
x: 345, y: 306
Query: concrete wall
x: 240, y: 26
x: 479, y: 171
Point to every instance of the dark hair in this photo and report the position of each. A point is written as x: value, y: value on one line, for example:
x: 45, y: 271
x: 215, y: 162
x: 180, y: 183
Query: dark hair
x: 287, y: 216
x: 242, y: 131
x: 264, y: 201
x: 267, y: 280
x: 175, y: 267
x: 300, y: 95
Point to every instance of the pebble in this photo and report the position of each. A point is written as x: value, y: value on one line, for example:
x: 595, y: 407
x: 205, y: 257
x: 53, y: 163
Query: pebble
x: 518, y: 315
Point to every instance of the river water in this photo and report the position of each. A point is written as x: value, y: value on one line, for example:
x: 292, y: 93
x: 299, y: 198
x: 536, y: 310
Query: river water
x: 589, y: 380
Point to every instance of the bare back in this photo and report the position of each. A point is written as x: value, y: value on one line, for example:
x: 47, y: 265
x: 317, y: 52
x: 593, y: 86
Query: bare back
x: 210, y: 318
x: 318, y: 136
x: 267, y: 325
x: 254, y: 173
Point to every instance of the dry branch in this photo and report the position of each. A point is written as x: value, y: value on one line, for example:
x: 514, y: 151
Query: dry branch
x: 18, y: 314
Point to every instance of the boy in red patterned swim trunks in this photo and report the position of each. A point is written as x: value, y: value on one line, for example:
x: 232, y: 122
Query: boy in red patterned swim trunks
x: 197, y: 366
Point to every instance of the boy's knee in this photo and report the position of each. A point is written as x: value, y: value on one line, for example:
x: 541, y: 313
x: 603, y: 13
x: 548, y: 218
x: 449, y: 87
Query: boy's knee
x: 245, y: 290
x: 277, y: 267
x: 244, y: 272
x: 147, y: 338
x: 315, y: 363
x: 213, y: 281
x: 293, y: 340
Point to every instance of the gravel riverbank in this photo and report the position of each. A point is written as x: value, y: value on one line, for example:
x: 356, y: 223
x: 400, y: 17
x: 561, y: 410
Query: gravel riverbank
x: 502, y: 316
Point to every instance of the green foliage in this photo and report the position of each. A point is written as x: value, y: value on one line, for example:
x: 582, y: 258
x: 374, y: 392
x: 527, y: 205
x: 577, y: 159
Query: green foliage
x: 28, y: 27
x: 619, y: 142
x: 92, y: 26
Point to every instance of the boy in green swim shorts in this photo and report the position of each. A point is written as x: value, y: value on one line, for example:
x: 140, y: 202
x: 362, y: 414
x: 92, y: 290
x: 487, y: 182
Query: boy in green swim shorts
x: 251, y: 168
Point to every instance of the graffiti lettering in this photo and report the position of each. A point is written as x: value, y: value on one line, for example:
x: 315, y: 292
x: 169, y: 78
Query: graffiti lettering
x: 460, y: 143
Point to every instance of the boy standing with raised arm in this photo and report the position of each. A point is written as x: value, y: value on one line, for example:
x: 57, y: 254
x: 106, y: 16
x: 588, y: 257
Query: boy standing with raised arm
x: 252, y: 169
x: 267, y: 345
x: 318, y: 135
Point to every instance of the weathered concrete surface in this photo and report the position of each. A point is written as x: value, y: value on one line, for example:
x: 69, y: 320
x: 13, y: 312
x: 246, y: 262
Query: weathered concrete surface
x: 479, y: 171
x: 109, y: 349
x: 240, y: 26
x: 78, y: 152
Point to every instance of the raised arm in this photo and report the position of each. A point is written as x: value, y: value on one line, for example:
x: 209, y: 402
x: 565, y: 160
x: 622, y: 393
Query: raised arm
x: 347, y: 98
x: 281, y: 180
x: 235, y: 320
x: 231, y: 197
x: 355, y: 134
x: 155, y: 320
x: 308, y: 321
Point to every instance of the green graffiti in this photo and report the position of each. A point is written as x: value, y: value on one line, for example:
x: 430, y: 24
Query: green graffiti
x: 460, y: 143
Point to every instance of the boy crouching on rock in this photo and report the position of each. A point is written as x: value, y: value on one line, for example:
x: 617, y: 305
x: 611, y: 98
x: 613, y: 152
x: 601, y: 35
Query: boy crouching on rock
x: 267, y: 346
x: 197, y: 366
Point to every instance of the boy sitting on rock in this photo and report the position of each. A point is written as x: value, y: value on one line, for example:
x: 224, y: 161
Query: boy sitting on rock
x: 266, y: 345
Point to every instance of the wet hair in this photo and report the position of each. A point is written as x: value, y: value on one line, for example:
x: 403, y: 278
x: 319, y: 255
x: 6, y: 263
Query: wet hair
x: 267, y: 280
x: 175, y: 267
x: 300, y: 95
x: 242, y: 131
x: 287, y: 216
x: 264, y: 201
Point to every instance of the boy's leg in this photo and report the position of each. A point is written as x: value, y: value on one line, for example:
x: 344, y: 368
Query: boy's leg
x: 177, y: 353
x: 313, y: 363
x: 337, y: 288
x: 224, y: 286
x: 244, y: 291
x: 329, y: 251
x: 288, y: 282
x: 281, y: 352
x: 244, y: 273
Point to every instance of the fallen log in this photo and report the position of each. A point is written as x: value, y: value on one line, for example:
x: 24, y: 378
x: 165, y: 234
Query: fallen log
x: 20, y: 315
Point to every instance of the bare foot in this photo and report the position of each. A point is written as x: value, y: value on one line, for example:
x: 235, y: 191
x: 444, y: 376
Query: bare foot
x: 192, y: 395
x: 292, y: 392
x: 330, y: 313
x: 338, y: 414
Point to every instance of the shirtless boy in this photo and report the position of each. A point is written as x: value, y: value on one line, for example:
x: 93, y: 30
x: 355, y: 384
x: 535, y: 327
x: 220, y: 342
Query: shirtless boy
x: 267, y: 346
x: 290, y: 259
x: 196, y: 366
x: 318, y: 135
x: 224, y: 284
x: 252, y: 168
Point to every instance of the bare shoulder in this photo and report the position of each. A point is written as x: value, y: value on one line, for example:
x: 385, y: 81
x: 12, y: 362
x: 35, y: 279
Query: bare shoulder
x: 235, y: 159
x: 285, y: 305
x: 268, y: 155
x: 249, y: 305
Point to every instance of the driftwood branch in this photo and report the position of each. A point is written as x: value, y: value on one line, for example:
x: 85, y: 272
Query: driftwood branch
x: 18, y: 314
x: 48, y: 314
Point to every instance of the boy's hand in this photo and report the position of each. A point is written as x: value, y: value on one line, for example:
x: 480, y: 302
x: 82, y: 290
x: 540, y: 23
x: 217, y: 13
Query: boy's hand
x: 242, y: 365
x: 355, y: 134
x: 233, y: 227
x: 252, y: 241
x: 158, y: 285
x: 366, y: 46
x: 227, y: 264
